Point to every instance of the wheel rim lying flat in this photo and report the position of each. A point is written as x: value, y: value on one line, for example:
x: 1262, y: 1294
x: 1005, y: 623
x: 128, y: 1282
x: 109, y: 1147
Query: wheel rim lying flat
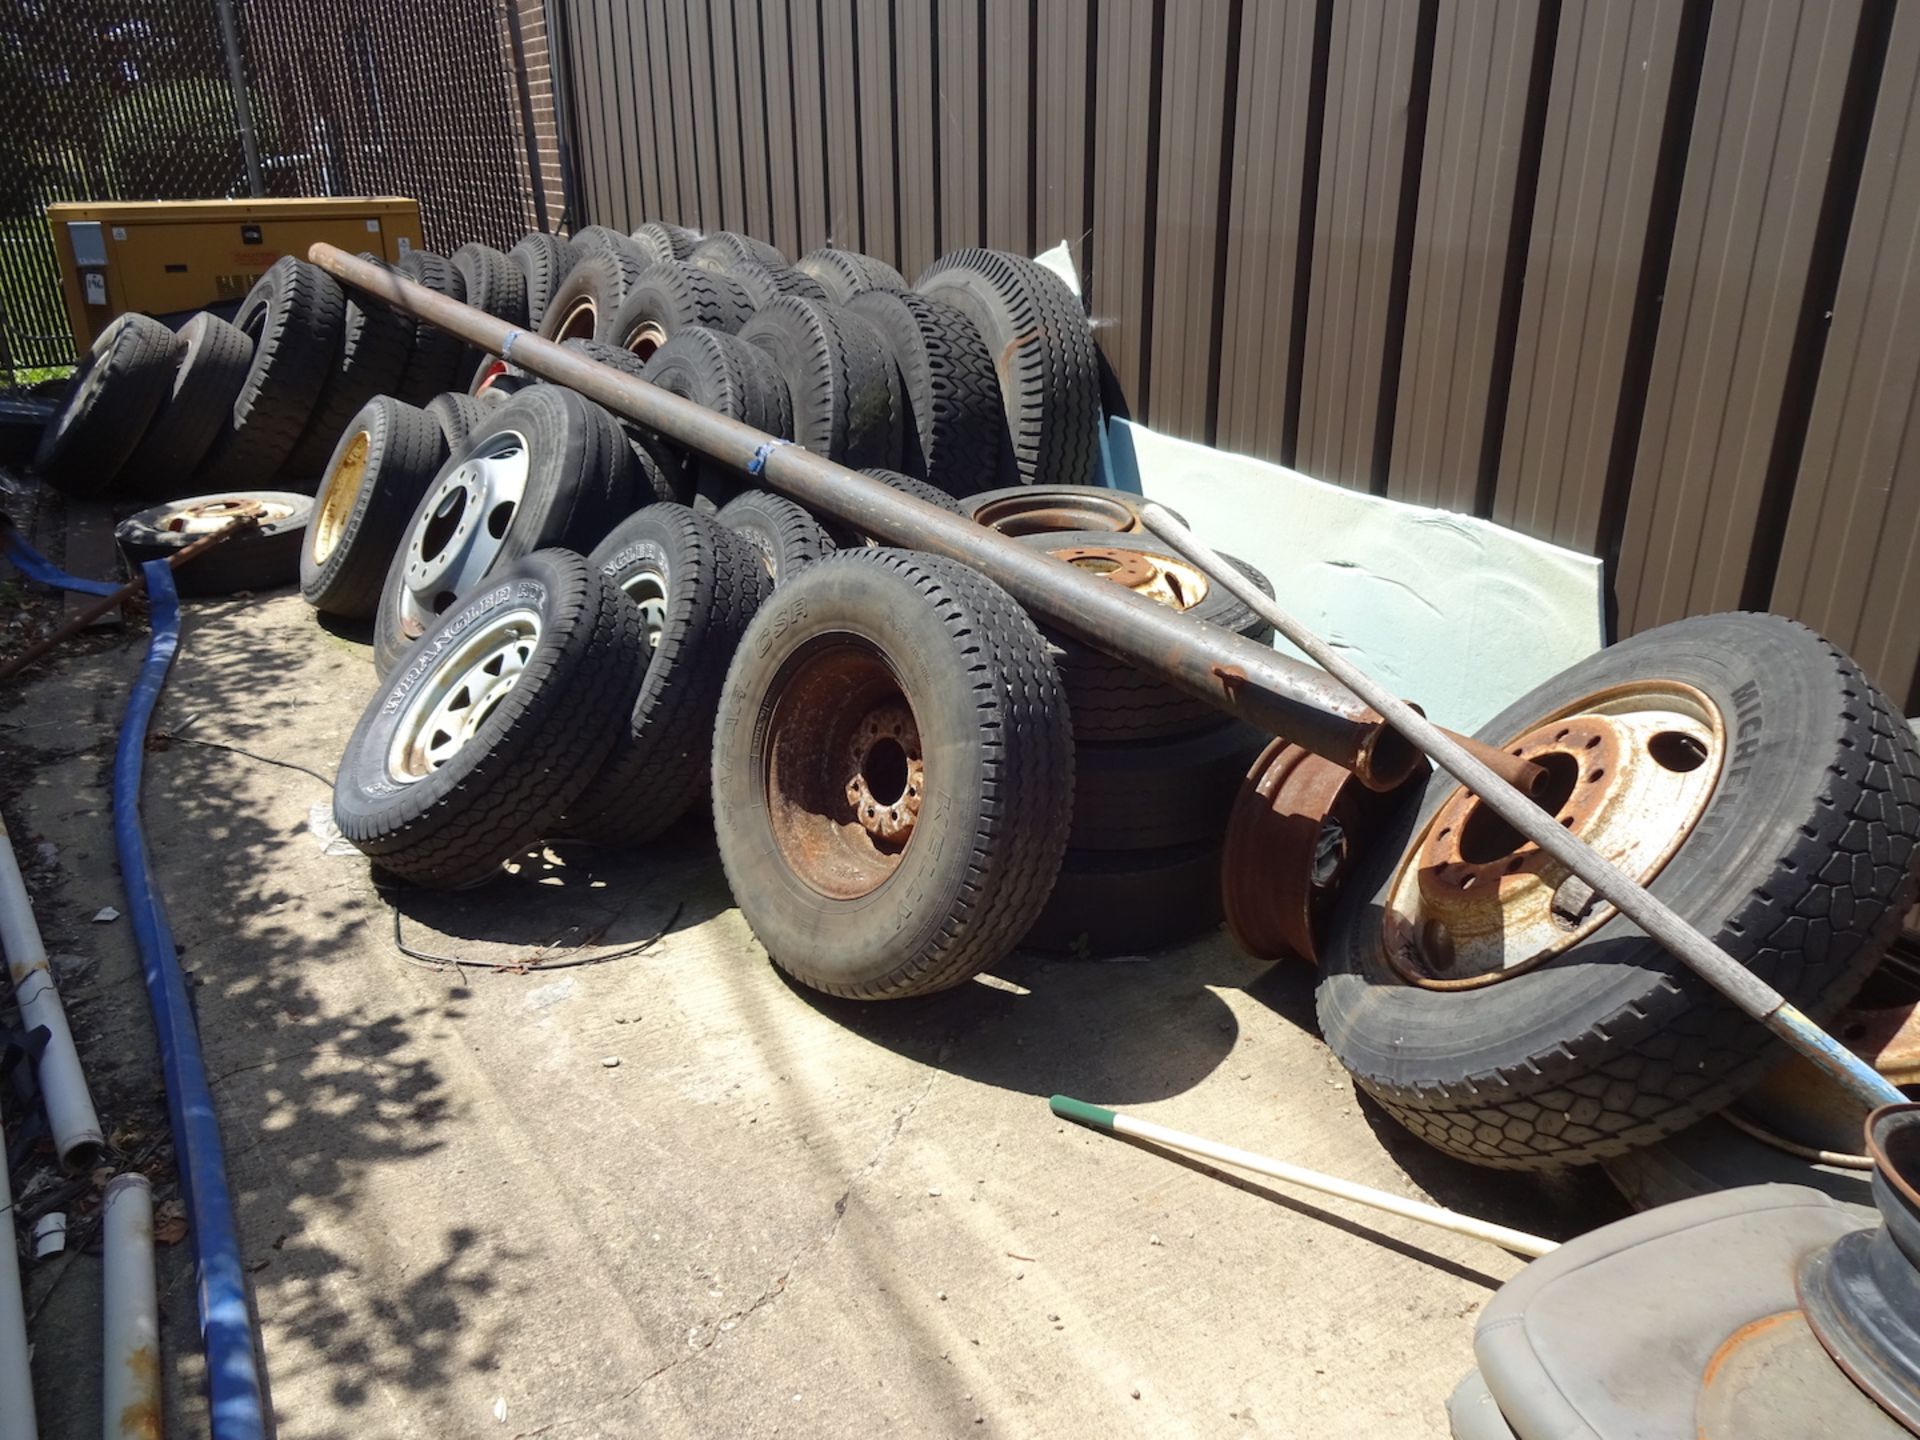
x: 339, y: 496
x: 1630, y: 770
x: 462, y: 528
x: 203, y: 517
x: 461, y: 693
x: 845, y: 776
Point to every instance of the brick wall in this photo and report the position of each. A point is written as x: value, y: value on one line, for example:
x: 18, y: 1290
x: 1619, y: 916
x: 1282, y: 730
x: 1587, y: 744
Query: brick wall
x: 546, y: 203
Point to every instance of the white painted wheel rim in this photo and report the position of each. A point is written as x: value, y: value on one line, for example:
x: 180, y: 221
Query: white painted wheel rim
x: 447, y: 711
x: 461, y: 528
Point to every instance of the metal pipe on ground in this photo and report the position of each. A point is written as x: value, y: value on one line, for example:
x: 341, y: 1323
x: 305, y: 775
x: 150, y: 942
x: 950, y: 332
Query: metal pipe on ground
x: 17, y: 1419
x: 1113, y: 1123
x: 130, y: 1363
x: 63, y: 1084
x: 1706, y: 959
x: 1280, y: 695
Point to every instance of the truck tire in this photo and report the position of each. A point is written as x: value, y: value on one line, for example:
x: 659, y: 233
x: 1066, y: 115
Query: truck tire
x: 493, y: 724
x: 113, y: 396
x: 764, y: 284
x: 926, y: 683
x: 724, y: 249
x: 293, y: 315
x: 494, y: 282
x: 387, y: 457
x: 674, y: 297
x: 659, y: 466
x: 954, y: 434
x: 729, y: 377
x: 844, y: 274
x: 583, y: 304
x: 439, y: 358
x: 263, y: 558
x: 1037, y: 331
x: 846, y: 538
x: 376, y: 347
x: 456, y: 415
x: 1113, y: 700
x: 662, y: 241
x: 1149, y: 794
x: 696, y: 584
x: 1801, y: 865
x: 1129, y: 902
x: 844, y: 391
x: 544, y: 261
x: 549, y: 468
x: 785, y: 537
x: 213, y: 366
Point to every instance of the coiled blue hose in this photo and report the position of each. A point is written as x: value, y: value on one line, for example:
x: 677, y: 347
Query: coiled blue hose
x: 226, y: 1327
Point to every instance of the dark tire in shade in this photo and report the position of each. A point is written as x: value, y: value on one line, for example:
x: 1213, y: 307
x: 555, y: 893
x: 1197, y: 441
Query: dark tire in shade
x: 439, y: 358
x: 660, y: 468
x: 724, y: 249
x: 1801, y: 866
x: 1149, y: 794
x: 583, y: 305
x: 696, y: 584
x: 544, y: 261
x: 456, y: 415
x: 1037, y: 331
x: 892, y: 774
x: 844, y: 274
x: 548, y: 468
x: 212, y: 369
x: 119, y: 386
x: 731, y: 378
x: 1113, y: 700
x: 847, y: 538
x: 673, y: 297
x: 660, y: 241
x: 1129, y: 902
x: 262, y: 558
x: 783, y: 534
x: 495, y: 282
x: 842, y: 384
x: 376, y: 347
x: 492, y: 723
x: 387, y: 457
x: 294, y: 315
x: 954, y: 434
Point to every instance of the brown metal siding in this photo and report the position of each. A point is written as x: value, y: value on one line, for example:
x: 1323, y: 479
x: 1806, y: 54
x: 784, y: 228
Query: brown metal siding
x: 1566, y: 264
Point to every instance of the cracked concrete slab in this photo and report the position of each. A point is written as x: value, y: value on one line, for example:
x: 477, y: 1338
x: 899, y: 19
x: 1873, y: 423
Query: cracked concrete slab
x: 777, y: 1213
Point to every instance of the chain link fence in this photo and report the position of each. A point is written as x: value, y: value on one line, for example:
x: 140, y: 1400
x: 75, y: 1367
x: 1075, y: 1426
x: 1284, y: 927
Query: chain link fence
x: 136, y: 100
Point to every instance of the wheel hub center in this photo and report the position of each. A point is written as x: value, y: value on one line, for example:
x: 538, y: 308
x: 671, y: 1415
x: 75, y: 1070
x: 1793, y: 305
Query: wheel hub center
x: 1629, y: 772
x: 888, y: 773
x: 1158, y: 577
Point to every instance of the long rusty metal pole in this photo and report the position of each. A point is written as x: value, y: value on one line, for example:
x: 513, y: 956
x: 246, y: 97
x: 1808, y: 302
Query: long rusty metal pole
x: 105, y: 603
x: 1280, y: 695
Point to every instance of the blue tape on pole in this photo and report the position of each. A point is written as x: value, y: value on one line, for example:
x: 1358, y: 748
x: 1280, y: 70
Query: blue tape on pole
x: 35, y: 566
x: 226, y: 1327
x: 506, y: 346
x: 760, y: 454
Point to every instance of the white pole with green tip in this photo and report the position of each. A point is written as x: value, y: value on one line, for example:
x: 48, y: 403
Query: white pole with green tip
x: 1518, y: 1241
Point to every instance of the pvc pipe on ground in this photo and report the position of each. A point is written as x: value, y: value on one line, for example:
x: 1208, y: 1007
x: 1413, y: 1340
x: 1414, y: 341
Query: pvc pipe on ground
x: 17, y: 1421
x: 237, y: 1406
x: 63, y: 1085
x: 1518, y: 1241
x: 130, y: 1364
x: 1706, y: 959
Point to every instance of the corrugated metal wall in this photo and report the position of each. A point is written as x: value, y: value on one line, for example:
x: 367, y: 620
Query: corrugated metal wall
x: 1641, y: 277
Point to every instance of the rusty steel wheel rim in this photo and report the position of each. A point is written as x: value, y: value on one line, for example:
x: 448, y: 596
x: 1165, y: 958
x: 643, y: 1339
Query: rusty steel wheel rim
x: 1297, y: 824
x: 1629, y: 769
x: 1170, y: 581
x: 203, y: 517
x: 846, y: 777
x: 339, y: 496
x: 1045, y: 514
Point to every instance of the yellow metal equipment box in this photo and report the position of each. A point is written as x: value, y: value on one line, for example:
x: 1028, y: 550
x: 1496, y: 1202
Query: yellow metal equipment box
x: 172, y: 257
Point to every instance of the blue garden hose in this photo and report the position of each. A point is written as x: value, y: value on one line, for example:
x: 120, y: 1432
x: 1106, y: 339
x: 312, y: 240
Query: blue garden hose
x: 226, y: 1326
x: 35, y: 566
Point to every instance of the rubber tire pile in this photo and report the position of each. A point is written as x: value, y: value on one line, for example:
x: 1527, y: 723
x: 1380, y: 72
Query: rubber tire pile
x: 584, y: 631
